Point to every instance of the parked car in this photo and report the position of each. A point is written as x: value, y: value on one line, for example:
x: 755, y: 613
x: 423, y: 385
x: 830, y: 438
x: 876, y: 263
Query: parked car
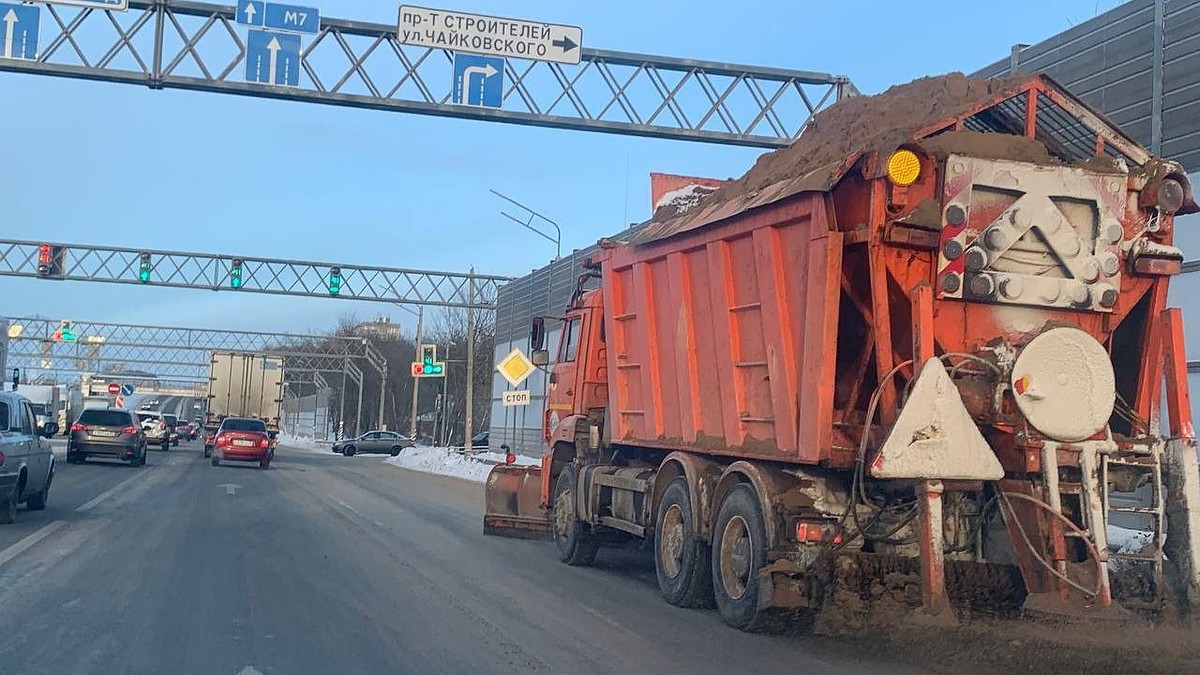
x: 480, y: 441
x: 242, y: 439
x: 155, y: 428
x: 374, y: 442
x: 113, y: 433
x: 26, y: 461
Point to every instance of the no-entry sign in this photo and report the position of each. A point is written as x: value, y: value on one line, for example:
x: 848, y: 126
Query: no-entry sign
x: 114, y: 388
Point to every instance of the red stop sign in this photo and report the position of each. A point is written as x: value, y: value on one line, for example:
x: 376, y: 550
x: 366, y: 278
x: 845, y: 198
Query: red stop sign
x: 114, y: 388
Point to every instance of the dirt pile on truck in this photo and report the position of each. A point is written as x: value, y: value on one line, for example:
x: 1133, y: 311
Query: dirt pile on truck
x: 860, y: 123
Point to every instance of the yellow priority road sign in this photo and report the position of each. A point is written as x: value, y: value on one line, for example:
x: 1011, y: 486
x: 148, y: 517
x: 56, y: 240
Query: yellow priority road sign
x: 515, y: 367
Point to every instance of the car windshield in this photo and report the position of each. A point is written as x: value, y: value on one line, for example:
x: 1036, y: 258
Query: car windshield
x: 104, y: 418
x: 148, y: 418
x: 243, y: 425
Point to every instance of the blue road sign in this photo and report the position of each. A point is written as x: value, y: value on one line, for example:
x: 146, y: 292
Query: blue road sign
x: 478, y: 80
x: 118, y: 5
x: 273, y: 58
x: 293, y: 18
x: 251, y: 12
x: 127, y: 389
x: 19, y: 31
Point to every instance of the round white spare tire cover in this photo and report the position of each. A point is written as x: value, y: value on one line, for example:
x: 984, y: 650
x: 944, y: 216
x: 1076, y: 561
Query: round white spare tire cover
x: 1064, y: 385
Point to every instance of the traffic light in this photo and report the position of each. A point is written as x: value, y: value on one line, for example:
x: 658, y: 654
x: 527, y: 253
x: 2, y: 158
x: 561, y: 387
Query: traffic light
x: 65, y: 332
x: 146, y: 267
x: 235, y: 273
x: 49, y: 263
x: 335, y: 280
x: 429, y: 363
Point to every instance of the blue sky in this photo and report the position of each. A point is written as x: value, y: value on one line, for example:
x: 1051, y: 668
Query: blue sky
x: 124, y: 165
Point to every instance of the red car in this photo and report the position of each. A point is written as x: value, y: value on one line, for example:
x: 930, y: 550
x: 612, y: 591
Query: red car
x: 243, y: 439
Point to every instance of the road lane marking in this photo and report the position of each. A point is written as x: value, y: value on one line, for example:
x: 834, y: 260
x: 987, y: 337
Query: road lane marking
x: 109, y: 492
x: 29, y: 540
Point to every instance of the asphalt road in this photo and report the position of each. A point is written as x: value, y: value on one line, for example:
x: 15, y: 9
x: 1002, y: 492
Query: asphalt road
x: 326, y: 564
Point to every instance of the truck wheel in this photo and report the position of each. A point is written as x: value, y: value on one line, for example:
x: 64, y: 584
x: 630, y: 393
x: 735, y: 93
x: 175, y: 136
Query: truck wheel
x: 575, y: 544
x: 348, y: 451
x: 681, y: 562
x: 739, y: 552
x: 37, y: 502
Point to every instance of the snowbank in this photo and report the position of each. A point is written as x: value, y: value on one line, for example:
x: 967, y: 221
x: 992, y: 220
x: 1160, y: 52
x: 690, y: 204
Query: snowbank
x: 303, y: 443
x: 447, y: 462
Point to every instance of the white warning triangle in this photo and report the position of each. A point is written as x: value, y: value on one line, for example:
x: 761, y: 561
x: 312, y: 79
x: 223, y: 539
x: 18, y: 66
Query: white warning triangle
x: 935, y: 437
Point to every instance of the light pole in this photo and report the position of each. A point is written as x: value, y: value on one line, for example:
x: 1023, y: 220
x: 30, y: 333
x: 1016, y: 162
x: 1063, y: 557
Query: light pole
x: 528, y: 223
x: 445, y: 392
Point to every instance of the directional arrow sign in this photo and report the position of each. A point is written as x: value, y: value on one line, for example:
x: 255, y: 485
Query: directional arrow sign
x: 273, y: 58
x: 478, y: 80
x: 479, y: 34
x: 19, y: 31
x: 251, y: 12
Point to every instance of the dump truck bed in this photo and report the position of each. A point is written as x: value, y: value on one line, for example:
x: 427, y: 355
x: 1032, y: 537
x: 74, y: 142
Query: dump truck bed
x: 721, y: 339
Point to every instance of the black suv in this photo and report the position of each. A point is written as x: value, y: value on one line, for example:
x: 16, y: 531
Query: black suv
x: 107, y: 432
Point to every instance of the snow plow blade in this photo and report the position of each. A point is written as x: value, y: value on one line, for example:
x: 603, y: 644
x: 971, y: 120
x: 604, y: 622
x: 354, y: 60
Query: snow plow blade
x: 513, y: 503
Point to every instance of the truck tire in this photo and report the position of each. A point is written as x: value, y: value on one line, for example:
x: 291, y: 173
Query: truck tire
x: 37, y: 501
x: 739, y: 551
x: 681, y: 562
x: 575, y: 544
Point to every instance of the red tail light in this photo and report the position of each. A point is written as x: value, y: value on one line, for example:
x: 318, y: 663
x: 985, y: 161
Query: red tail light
x: 78, y: 427
x: 130, y: 430
x: 222, y: 440
x: 162, y: 426
x: 264, y: 443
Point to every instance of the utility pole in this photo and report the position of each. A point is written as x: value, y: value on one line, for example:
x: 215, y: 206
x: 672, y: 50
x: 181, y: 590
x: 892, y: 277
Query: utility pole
x: 445, y: 394
x: 469, y: 412
x: 412, y: 429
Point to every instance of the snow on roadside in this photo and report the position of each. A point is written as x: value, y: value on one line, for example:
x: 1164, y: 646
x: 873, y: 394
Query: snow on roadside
x: 303, y: 443
x: 447, y: 462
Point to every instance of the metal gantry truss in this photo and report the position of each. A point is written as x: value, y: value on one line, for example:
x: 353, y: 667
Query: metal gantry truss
x: 199, y: 46
x: 110, y: 264
x: 178, y: 354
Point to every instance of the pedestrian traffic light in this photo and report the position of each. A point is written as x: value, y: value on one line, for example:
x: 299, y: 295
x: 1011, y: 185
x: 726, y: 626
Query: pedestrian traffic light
x: 146, y: 267
x: 335, y: 280
x: 235, y: 273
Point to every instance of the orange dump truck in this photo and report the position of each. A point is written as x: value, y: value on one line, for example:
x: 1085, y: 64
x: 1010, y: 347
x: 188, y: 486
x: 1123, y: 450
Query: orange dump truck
x: 919, y: 356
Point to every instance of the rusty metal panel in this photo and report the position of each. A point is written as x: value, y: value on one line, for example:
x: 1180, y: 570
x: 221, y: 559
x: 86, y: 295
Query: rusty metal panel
x: 723, y: 337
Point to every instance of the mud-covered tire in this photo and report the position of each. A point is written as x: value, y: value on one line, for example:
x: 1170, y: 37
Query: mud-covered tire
x: 681, y: 562
x: 739, y: 552
x: 8, y: 510
x: 572, y: 538
x: 37, y: 501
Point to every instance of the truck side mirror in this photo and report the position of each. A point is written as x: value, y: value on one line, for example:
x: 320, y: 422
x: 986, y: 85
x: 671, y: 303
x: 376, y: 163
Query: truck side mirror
x: 49, y: 429
x: 537, y: 335
x: 539, y: 357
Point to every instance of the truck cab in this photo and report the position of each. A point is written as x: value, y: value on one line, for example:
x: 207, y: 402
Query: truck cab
x: 577, y: 394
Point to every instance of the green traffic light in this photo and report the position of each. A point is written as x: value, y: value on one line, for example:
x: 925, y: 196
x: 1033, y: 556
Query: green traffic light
x: 144, y: 274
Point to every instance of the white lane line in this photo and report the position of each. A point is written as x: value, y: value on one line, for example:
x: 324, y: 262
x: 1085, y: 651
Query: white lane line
x: 341, y: 503
x: 31, y: 539
x: 109, y: 492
